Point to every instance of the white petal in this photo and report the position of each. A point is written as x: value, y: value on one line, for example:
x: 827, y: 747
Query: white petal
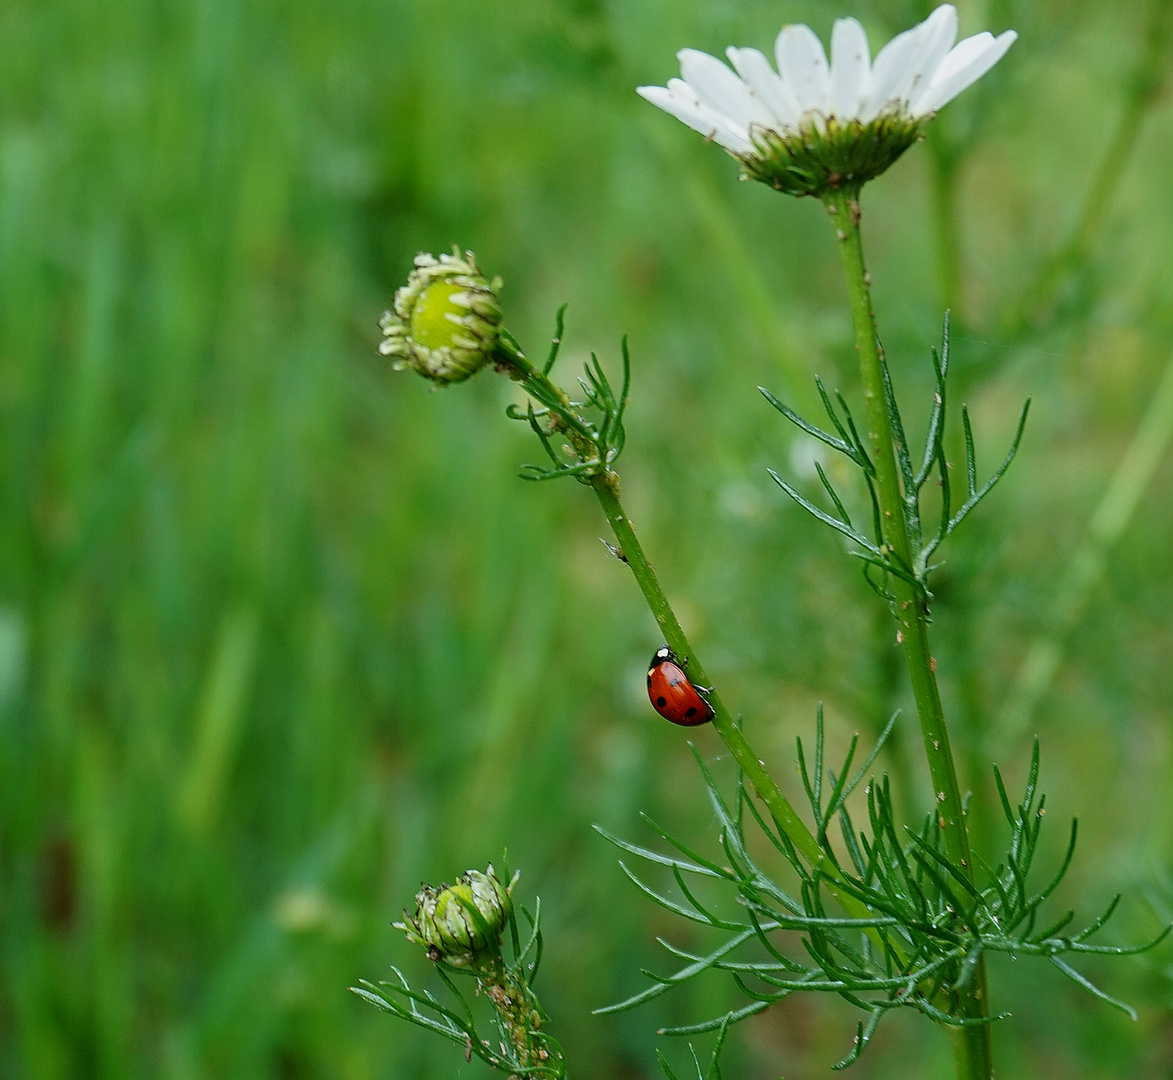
x: 721, y: 90
x: 803, y: 65
x: 757, y: 74
x: 938, y: 32
x: 958, y: 57
x: 729, y: 134
x: 962, y: 69
x: 961, y: 54
x: 941, y: 38
x: 850, y: 68
x: 687, y: 108
x: 892, y: 61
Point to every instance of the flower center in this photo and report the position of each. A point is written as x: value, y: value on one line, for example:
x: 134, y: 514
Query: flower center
x: 430, y: 326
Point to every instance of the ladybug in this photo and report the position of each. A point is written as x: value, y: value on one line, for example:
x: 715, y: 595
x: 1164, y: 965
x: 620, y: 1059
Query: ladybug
x: 672, y: 695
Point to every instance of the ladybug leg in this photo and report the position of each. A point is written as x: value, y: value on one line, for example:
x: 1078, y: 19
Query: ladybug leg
x: 683, y: 662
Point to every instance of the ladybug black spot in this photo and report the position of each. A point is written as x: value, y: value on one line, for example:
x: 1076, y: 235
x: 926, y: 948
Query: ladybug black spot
x: 661, y: 701
x: 691, y: 711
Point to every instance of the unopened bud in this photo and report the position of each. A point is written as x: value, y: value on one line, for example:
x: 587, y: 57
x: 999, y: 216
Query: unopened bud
x: 445, y: 319
x: 458, y: 923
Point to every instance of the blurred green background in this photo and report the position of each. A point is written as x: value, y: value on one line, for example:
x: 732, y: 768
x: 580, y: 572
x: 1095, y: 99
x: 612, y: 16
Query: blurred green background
x: 282, y: 635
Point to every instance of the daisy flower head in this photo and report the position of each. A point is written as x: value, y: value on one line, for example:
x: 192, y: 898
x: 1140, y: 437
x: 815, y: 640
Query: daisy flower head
x: 813, y: 125
x: 445, y: 320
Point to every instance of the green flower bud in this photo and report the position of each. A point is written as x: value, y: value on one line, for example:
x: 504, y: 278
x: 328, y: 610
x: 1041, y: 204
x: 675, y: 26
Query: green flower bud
x: 458, y: 923
x: 445, y: 320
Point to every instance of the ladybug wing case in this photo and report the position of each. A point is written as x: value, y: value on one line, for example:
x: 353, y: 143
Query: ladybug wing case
x: 672, y: 695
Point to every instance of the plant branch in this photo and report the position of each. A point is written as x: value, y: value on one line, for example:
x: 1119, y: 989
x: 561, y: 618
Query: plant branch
x: 910, y: 605
x: 605, y: 484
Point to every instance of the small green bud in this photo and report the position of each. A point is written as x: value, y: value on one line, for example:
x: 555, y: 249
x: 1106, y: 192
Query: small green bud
x: 445, y: 320
x: 458, y: 923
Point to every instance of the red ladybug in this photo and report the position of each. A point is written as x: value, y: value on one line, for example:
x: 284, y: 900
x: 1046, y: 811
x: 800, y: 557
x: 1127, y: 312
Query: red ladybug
x: 672, y: 695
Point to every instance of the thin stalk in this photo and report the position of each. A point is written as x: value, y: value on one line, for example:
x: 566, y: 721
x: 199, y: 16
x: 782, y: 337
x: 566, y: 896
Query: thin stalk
x: 605, y: 485
x: 971, y: 1043
x: 522, y: 1017
x: 633, y: 554
x: 762, y: 783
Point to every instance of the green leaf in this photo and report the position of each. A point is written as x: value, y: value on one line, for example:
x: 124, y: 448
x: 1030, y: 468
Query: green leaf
x: 839, y: 444
x: 712, y: 1025
x: 826, y: 519
x: 556, y: 341
x: 971, y: 468
x: 709, y: 870
x: 1091, y: 987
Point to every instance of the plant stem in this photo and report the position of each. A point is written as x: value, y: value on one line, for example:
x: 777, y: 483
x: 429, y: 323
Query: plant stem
x: 971, y: 1043
x: 633, y: 554
x: 605, y: 485
x: 605, y: 488
x: 522, y: 1017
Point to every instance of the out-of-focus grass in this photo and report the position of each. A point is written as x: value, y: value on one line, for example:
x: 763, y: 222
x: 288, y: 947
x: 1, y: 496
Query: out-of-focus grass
x: 281, y: 635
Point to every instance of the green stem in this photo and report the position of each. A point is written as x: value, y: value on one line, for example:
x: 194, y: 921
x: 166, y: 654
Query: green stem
x: 633, y: 554
x: 605, y: 485
x: 605, y: 488
x: 972, y: 1043
x: 522, y: 1016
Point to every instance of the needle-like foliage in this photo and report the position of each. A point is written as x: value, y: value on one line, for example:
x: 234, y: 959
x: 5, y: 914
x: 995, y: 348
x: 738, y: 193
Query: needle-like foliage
x: 929, y: 925
x: 593, y: 445
x: 521, y: 1047
x: 711, y: 1071
x: 922, y: 541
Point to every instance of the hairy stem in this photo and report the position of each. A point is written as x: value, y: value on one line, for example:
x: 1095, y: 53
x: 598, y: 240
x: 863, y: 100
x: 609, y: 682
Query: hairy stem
x: 522, y: 1019
x: 972, y: 1043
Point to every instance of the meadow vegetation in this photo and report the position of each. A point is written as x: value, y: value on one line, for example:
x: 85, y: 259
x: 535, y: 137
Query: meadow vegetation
x: 282, y: 634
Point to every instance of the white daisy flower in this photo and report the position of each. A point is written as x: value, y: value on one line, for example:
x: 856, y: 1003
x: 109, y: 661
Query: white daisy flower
x: 813, y: 125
